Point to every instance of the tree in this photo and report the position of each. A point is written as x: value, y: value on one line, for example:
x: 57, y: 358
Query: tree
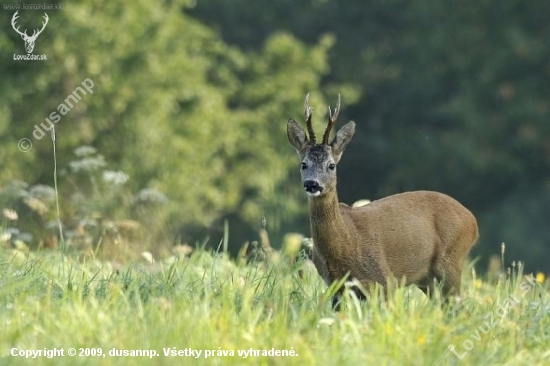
x: 172, y: 106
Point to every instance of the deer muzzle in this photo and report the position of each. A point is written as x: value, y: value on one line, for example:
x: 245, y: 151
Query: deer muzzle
x: 313, y: 188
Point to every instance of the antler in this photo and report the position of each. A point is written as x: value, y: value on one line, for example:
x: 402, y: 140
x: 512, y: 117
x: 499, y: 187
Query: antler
x: 15, y: 16
x: 331, y: 120
x: 307, y: 113
x: 43, y: 26
x: 24, y: 34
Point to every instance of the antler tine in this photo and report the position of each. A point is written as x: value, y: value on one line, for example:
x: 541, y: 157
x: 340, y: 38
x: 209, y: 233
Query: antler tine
x: 13, y: 19
x: 332, y: 117
x: 46, y: 18
x: 307, y: 113
x: 43, y: 24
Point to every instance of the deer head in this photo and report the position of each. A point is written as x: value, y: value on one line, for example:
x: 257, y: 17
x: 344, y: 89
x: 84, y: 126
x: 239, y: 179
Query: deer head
x: 318, y: 165
x: 29, y: 40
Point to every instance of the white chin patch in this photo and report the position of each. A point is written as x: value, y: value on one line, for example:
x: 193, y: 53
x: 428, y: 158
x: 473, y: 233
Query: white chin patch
x: 316, y: 194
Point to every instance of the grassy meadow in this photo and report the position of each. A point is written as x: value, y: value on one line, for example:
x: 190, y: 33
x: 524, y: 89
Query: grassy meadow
x: 232, y: 311
x: 183, y: 134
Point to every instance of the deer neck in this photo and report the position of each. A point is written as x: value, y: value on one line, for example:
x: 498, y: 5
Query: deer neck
x: 327, y: 225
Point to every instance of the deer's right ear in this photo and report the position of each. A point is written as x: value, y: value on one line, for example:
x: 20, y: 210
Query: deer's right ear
x: 296, y: 136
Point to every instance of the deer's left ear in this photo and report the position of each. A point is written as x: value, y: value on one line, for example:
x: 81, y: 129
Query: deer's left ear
x: 343, y: 137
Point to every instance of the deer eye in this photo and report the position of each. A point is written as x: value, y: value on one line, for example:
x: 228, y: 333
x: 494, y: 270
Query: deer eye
x: 303, y: 166
x: 332, y: 166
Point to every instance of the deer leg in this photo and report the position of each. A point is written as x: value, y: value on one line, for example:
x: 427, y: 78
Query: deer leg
x: 451, y: 282
x: 428, y: 290
x: 336, y: 302
x: 337, y: 298
x: 428, y: 284
x: 450, y: 278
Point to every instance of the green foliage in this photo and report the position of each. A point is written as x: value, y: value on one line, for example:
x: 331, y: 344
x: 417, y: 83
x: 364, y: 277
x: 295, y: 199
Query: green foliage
x: 96, y: 207
x: 172, y: 107
x: 207, y: 302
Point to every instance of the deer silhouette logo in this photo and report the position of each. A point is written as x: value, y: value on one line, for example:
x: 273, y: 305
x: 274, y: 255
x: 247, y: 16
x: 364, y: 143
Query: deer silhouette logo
x: 29, y: 40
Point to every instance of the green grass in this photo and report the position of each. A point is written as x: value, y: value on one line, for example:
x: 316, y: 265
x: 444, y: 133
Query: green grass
x: 208, y: 302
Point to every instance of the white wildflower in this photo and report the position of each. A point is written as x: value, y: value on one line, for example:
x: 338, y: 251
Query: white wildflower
x: 10, y: 214
x: 117, y: 178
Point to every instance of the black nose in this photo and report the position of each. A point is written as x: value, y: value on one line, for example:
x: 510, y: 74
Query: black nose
x: 312, y: 186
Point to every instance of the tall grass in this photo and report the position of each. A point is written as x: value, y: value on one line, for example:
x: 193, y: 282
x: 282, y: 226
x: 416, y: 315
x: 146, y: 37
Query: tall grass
x: 272, y: 311
x: 209, y: 302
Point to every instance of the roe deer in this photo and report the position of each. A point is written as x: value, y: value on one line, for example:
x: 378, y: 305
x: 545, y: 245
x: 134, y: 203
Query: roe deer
x: 422, y: 236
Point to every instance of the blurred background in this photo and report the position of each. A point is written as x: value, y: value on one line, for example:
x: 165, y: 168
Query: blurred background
x: 185, y: 131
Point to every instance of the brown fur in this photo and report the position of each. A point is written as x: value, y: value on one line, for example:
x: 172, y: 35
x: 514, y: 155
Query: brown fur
x: 419, y: 236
